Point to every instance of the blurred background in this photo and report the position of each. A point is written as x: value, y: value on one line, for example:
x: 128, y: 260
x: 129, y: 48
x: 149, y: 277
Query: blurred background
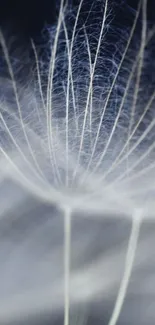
x: 27, y: 19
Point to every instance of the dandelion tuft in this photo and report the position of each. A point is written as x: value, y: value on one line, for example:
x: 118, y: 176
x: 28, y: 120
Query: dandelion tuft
x: 77, y: 156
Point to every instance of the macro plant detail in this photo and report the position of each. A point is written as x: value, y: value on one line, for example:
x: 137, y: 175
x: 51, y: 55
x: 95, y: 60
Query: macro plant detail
x: 80, y: 136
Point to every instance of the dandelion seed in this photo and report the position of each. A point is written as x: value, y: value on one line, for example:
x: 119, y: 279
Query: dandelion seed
x: 83, y: 147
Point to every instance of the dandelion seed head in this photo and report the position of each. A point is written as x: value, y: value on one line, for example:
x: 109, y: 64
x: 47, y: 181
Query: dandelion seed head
x: 82, y: 128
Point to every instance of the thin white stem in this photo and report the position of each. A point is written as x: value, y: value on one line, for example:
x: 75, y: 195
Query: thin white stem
x: 70, y: 62
x: 130, y: 256
x: 142, y: 137
x: 67, y: 103
x: 119, y: 159
x: 41, y: 191
x: 50, y: 96
x: 90, y: 87
x: 38, y: 75
x: 91, y: 95
x: 40, y: 175
x: 140, y: 173
x: 137, y: 162
x: 112, y: 87
x: 15, y: 90
x: 139, y: 73
x: 140, y: 66
x: 67, y: 246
